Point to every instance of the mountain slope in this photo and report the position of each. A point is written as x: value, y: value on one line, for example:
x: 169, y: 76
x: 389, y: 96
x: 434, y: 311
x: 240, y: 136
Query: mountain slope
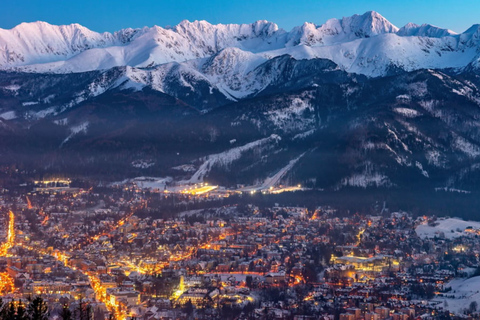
x: 353, y: 103
x: 346, y: 130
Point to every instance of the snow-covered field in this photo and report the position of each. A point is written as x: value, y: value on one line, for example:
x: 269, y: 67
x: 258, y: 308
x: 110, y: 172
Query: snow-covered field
x: 152, y: 183
x: 463, y: 292
x: 147, y: 182
x: 450, y: 228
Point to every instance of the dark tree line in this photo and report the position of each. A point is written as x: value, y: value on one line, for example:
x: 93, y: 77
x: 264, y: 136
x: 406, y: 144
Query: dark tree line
x: 37, y: 309
x: 32, y: 309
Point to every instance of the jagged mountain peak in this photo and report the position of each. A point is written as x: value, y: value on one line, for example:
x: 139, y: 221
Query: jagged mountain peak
x: 257, y: 28
x: 39, y: 42
x: 43, y: 24
x: 30, y: 31
x: 369, y: 24
x: 473, y: 29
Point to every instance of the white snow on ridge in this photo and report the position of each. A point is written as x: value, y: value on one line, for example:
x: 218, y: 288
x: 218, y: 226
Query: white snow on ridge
x: 450, y: 228
x: 366, y: 44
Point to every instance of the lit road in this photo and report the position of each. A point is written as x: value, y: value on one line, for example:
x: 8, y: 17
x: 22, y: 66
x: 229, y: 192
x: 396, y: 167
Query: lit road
x: 6, y: 281
x: 95, y: 283
x: 10, y: 235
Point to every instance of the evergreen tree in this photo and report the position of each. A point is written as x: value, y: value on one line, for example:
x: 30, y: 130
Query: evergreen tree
x: 188, y: 308
x: 66, y: 314
x: 21, y: 313
x: 3, y: 309
x: 38, y: 309
x: 10, y: 311
x: 82, y: 311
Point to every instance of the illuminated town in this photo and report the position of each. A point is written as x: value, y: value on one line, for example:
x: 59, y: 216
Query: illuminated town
x: 116, y: 251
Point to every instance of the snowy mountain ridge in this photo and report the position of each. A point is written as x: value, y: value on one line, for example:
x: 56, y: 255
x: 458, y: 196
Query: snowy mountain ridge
x: 366, y: 44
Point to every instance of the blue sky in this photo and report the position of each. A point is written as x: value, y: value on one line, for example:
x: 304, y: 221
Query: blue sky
x: 112, y: 15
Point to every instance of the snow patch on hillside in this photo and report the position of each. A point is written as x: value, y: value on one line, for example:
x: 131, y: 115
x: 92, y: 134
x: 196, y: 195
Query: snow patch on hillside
x: 29, y: 103
x: 185, y: 168
x: 366, y: 179
x: 406, y: 112
x: 447, y: 189
x: 82, y: 127
x: 466, y: 147
x: 275, y: 179
x: 61, y: 122
x: 143, y: 164
x: 13, y: 87
x: 449, y: 228
x: 303, y: 135
x: 420, y: 167
x: 9, y: 115
x: 463, y: 293
x: 292, y: 117
x: 226, y: 158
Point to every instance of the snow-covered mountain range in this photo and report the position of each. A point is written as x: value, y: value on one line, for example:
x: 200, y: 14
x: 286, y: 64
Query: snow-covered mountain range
x: 366, y: 44
x: 354, y: 102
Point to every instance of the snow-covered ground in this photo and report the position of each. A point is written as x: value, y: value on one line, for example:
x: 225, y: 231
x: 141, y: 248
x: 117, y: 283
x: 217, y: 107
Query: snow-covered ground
x: 464, y: 292
x: 450, y: 228
x: 147, y: 182
x: 153, y: 183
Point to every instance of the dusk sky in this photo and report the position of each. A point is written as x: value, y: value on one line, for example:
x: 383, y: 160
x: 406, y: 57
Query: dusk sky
x: 112, y: 15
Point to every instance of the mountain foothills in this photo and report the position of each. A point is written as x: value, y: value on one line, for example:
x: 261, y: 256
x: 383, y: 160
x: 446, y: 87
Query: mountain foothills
x: 354, y: 102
